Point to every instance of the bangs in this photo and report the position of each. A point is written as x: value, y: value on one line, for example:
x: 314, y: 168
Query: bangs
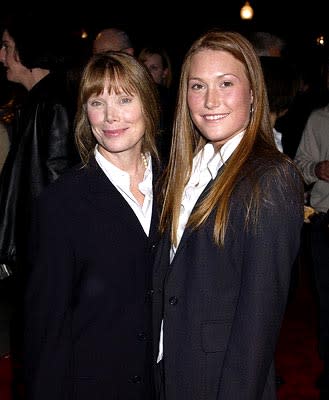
x: 112, y: 78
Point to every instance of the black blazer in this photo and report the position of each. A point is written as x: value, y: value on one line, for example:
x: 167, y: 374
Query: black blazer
x: 223, y: 306
x: 87, y: 314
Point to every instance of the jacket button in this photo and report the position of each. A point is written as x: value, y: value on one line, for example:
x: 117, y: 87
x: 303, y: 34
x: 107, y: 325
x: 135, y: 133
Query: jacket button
x: 141, y: 336
x: 173, y: 300
x: 136, y: 379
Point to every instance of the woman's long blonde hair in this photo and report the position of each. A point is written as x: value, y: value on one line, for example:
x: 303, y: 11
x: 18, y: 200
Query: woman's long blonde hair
x: 187, y: 141
x: 121, y: 72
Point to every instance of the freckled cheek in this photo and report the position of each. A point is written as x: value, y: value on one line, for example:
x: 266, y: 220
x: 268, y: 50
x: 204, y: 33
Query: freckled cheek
x: 95, y: 117
x: 133, y: 116
x: 155, y: 76
x: 242, y: 111
x: 194, y: 102
x: 241, y: 100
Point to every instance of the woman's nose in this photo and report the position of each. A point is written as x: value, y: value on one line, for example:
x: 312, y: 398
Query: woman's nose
x: 212, y: 98
x: 111, y: 114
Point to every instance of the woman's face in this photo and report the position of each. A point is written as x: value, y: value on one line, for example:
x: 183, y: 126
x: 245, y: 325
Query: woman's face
x: 219, y: 95
x: 117, y: 122
x: 8, y: 56
x: 154, y: 64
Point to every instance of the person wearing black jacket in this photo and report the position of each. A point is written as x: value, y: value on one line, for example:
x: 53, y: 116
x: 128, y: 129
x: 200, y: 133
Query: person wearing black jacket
x: 43, y: 142
x: 42, y: 145
x: 88, y: 294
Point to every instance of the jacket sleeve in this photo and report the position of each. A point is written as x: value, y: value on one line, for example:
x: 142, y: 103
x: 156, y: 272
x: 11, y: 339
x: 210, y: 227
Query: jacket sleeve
x: 309, y: 152
x: 267, y: 257
x: 48, y: 305
x: 58, y: 150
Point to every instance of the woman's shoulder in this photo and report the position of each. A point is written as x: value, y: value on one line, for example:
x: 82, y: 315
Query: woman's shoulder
x: 271, y: 161
x: 66, y: 185
x: 273, y: 171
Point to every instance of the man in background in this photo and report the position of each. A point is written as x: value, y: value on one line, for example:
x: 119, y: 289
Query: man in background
x: 113, y: 39
x: 312, y: 158
x: 267, y: 44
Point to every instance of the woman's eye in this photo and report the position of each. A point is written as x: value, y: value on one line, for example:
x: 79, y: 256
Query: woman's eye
x: 125, y: 100
x: 95, y: 103
x: 196, y: 86
x: 154, y: 68
x: 226, y: 84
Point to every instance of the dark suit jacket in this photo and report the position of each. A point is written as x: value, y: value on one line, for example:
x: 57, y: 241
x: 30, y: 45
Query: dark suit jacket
x: 223, y: 307
x: 87, y: 314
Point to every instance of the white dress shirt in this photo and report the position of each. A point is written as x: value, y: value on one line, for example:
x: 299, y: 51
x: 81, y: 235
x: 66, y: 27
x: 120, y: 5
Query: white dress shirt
x: 205, y: 167
x: 278, y: 139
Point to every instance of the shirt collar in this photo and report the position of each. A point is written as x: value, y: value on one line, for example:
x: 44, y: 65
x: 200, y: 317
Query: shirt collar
x: 118, y: 176
x: 113, y: 172
x: 207, y: 158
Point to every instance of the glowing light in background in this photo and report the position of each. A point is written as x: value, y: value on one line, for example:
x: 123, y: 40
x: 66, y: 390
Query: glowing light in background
x: 246, y: 11
x: 84, y: 34
x: 320, y: 40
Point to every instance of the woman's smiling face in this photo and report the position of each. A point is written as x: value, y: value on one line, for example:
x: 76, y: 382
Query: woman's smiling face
x: 117, y: 121
x: 219, y: 95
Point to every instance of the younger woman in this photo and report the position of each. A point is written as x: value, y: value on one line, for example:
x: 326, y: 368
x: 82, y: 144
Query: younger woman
x: 232, y: 215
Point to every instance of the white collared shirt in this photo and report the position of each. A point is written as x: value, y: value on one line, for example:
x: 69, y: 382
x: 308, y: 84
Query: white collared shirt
x: 278, y: 139
x: 205, y: 167
x: 121, y: 180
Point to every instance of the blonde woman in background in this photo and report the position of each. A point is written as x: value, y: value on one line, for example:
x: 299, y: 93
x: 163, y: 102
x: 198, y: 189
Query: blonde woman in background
x: 158, y: 62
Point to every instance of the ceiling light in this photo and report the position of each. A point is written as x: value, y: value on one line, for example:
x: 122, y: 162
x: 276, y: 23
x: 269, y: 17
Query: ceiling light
x: 246, y: 11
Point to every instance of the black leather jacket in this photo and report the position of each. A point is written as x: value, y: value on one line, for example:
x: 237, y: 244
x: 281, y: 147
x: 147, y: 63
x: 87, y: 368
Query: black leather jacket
x: 42, y: 148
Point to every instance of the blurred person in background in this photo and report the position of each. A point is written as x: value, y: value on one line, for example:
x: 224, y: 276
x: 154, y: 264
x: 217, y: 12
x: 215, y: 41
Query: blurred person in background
x: 281, y: 87
x: 312, y: 93
x: 4, y: 144
x: 312, y: 158
x: 267, y: 44
x: 158, y: 62
x: 42, y: 141
x: 113, y: 39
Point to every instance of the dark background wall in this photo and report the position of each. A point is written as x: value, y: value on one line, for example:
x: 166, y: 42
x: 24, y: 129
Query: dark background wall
x: 175, y: 24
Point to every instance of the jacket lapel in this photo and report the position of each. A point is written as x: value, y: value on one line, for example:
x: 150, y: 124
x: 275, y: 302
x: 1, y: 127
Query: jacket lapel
x: 187, y: 231
x: 103, y: 195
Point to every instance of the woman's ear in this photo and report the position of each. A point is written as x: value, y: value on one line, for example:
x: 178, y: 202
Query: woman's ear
x: 16, y: 56
x: 165, y: 73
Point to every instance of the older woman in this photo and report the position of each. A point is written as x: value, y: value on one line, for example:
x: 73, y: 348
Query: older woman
x: 87, y: 332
